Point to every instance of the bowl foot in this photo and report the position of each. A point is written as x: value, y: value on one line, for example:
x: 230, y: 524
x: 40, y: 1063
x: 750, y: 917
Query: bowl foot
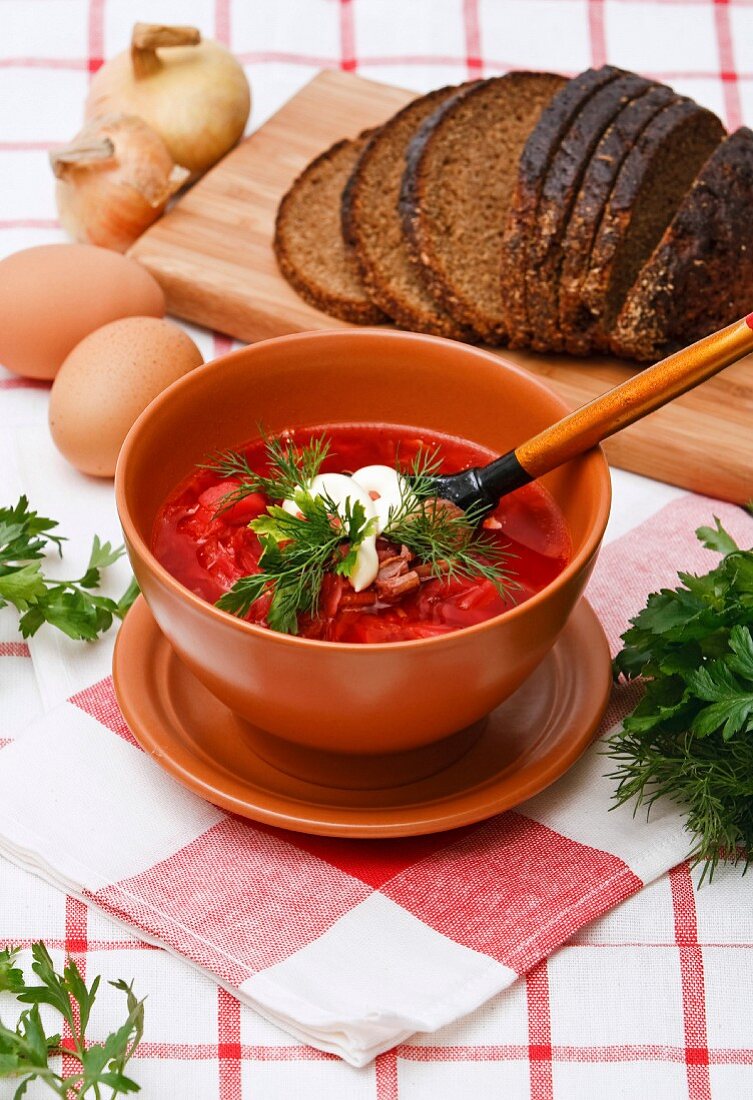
x: 360, y: 771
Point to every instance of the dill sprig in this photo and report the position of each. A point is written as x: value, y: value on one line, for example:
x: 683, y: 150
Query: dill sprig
x: 690, y: 738
x: 298, y: 550
x: 290, y: 468
x: 447, y: 539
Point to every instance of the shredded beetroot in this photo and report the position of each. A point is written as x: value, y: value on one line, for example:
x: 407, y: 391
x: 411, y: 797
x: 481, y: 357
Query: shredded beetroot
x: 351, y: 599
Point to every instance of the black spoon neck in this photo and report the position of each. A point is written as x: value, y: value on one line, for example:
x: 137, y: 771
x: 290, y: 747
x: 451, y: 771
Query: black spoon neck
x: 482, y: 486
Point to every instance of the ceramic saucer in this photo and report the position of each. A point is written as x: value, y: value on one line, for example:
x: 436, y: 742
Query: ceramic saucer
x: 524, y: 745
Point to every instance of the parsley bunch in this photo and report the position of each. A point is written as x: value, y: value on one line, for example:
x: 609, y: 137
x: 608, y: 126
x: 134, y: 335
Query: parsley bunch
x: 25, y: 1050
x: 69, y: 605
x: 691, y: 735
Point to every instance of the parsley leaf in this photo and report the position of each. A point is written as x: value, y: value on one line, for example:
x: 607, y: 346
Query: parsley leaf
x: 70, y: 605
x: 690, y: 737
x: 716, y: 538
x: 26, y: 1049
x: 11, y: 977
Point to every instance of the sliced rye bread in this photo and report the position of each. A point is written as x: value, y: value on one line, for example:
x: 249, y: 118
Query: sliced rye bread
x: 553, y: 124
x: 595, y: 189
x: 459, y: 178
x: 699, y: 276
x: 373, y: 228
x: 309, y: 245
x: 561, y: 186
x: 652, y: 182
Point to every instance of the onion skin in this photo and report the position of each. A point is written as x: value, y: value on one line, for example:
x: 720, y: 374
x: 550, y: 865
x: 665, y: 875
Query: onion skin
x: 113, y: 181
x: 196, y: 97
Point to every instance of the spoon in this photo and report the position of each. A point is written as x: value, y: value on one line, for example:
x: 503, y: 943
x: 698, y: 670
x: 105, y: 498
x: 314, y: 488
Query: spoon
x: 482, y: 486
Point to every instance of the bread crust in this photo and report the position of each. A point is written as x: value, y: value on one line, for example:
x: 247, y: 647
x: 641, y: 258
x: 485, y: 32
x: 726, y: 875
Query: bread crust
x: 698, y: 277
x: 596, y: 186
x: 355, y: 307
x: 633, y: 187
x: 558, y: 194
x: 535, y: 159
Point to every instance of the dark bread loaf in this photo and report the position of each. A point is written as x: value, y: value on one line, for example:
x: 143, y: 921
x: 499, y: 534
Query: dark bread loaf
x: 373, y: 228
x: 543, y: 141
x: 309, y: 245
x: 653, y: 180
x: 603, y: 213
x: 699, y: 276
x: 561, y: 186
x: 595, y: 188
x: 459, y: 178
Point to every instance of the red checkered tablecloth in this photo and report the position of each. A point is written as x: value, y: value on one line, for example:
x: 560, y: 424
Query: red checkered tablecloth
x: 655, y: 997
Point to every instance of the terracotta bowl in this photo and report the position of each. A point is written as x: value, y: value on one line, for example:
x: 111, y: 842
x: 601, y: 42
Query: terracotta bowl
x: 311, y: 696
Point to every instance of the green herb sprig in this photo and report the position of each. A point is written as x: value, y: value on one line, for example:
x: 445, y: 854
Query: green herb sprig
x: 297, y: 553
x: 448, y: 540
x: 290, y: 469
x: 25, y: 1050
x: 690, y: 738
x: 69, y: 605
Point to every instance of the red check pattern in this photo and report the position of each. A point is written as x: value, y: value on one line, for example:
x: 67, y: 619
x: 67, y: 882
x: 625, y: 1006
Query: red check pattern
x: 670, y: 968
x: 294, y: 898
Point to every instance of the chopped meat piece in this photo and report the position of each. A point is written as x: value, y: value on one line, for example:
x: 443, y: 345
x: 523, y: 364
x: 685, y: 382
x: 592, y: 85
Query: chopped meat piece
x: 392, y: 587
x: 392, y: 567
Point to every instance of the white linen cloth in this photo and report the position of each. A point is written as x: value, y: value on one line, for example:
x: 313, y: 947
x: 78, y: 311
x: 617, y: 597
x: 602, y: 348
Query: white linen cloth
x: 352, y: 947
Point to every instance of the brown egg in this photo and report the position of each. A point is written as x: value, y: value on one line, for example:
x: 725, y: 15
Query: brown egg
x: 108, y: 380
x: 54, y: 295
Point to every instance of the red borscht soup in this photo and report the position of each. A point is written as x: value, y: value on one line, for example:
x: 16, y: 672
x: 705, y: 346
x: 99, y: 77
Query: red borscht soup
x: 209, y: 549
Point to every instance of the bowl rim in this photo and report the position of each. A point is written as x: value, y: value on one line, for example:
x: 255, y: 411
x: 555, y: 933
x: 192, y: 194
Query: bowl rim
x: 143, y: 550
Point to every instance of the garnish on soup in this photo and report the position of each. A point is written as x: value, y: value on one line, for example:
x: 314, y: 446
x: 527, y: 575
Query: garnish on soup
x: 333, y: 533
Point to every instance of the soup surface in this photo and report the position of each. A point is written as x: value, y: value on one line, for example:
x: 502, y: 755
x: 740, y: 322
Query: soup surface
x: 209, y: 550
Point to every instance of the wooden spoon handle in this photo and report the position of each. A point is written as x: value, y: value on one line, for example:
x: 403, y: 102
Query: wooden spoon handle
x: 633, y: 399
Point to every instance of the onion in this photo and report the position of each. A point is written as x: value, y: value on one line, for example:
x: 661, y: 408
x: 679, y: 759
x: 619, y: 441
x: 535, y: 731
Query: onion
x: 192, y: 92
x: 114, y: 180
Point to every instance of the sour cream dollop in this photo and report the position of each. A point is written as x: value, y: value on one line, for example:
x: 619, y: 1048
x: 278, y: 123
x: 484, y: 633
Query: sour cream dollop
x: 383, y: 484
x: 378, y: 489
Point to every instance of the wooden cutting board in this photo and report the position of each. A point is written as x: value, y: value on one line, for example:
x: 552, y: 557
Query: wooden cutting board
x: 213, y: 255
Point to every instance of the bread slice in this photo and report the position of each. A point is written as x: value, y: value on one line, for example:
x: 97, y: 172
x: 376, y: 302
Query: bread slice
x: 652, y: 182
x: 535, y: 159
x: 309, y: 244
x: 699, y: 276
x: 373, y: 228
x: 561, y: 186
x: 459, y: 178
x: 595, y: 188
